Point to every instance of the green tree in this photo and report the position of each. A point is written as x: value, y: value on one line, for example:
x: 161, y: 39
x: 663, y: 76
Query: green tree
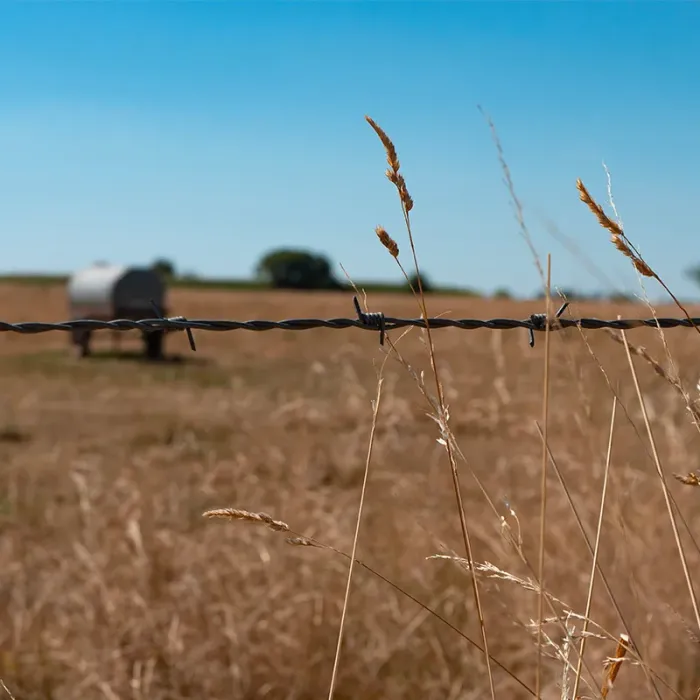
x: 165, y: 267
x: 425, y: 283
x: 502, y: 293
x: 296, y: 269
x: 622, y: 298
x: 694, y: 274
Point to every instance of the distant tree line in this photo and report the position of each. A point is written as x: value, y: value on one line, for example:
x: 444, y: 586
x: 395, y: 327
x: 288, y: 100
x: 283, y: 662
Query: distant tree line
x: 293, y: 268
x: 300, y: 269
x: 289, y: 268
x: 296, y: 269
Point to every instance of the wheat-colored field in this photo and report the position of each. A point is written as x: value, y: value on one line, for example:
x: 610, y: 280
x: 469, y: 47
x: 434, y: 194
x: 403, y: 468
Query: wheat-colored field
x: 113, y: 585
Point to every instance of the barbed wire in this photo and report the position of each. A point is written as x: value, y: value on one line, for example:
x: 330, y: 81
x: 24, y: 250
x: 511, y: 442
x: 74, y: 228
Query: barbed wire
x: 305, y: 324
x: 376, y: 322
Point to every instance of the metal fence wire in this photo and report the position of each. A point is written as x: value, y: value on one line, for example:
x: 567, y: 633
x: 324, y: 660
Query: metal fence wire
x: 376, y: 322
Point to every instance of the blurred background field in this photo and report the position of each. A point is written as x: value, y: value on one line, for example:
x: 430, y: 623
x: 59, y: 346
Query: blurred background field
x: 113, y: 585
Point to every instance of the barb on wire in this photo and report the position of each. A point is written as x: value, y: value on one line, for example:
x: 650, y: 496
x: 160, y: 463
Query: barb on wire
x: 540, y: 322
x: 190, y: 336
x: 375, y: 321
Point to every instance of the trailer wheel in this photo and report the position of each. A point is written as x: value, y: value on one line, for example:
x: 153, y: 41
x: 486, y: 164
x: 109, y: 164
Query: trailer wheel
x: 81, y: 339
x: 154, y: 345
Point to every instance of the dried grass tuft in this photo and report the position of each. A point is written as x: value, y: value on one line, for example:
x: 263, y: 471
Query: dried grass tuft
x: 300, y: 540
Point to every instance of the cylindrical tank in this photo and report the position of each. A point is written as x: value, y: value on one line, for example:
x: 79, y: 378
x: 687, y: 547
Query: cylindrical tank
x: 106, y: 292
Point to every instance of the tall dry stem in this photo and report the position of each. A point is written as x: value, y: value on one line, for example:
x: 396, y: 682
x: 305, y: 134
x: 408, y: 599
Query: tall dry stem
x: 634, y: 426
x: 671, y: 379
x: 517, y: 205
x: 543, y: 480
x: 594, y: 564
x: 6, y: 689
x: 365, y: 478
x: 647, y: 672
x: 662, y: 482
x: 516, y: 540
x: 397, y: 179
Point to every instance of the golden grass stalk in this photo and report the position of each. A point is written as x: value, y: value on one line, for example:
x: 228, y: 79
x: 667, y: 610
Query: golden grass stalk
x: 594, y: 565
x: 515, y: 539
x: 672, y: 379
x: 565, y: 653
x: 658, y: 369
x: 493, y: 572
x: 613, y: 665
x: 6, y: 689
x: 603, y: 219
x: 603, y: 577
x: 443, y: 415
x: 543, y: 480
x: 634, y: 427
x: 301, y: 541
x: 392, y: 159
x: 582, y: 259
x: 249, y: 517
x: 649, y: 672
x: 622, y: 243
x: 393, y: 247
x: 611, y: 199
x: 391, y: 155
x: 517, y: 205
x: 662, y: 482
x: 365, y: 478
x: 693, y: 636
x: 618, y: 238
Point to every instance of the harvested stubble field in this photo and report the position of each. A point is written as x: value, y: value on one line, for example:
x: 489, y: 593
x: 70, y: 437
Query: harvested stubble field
x: 113, y: 585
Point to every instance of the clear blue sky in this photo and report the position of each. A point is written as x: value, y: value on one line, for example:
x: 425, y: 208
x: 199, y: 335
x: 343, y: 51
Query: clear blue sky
x: 211, y: 132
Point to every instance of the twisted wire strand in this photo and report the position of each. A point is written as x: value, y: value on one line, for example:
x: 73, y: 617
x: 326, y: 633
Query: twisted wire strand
x: 536, y: 322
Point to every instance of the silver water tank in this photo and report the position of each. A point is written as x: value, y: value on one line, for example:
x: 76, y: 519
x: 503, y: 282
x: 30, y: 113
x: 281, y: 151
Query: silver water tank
x: 107, y: 292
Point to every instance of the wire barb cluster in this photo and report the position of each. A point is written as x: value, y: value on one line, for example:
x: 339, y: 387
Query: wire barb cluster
x: 376, y: 322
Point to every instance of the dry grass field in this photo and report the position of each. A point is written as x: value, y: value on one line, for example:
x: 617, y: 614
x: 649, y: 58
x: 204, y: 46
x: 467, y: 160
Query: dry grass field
x: 113, y: 585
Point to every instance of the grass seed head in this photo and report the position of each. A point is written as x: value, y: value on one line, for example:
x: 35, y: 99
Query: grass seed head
x: 301, y: 541
x: 618, y: 237
x: 247, y: 516
x: 387, y: 241
x: 603, y: 219
x: 392, y: 158
x: 690, y: 479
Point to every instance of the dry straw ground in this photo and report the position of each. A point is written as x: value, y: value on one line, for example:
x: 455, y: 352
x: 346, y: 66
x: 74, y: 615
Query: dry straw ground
x: 113, y: 585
